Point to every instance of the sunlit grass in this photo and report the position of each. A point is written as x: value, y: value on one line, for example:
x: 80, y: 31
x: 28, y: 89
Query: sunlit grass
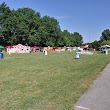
x: 53, y: 82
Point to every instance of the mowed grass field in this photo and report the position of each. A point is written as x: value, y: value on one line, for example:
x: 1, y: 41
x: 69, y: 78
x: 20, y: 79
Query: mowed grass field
x: 53, y: 82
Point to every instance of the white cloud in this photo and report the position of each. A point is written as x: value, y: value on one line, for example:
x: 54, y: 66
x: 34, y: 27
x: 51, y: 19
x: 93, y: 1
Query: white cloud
x: 63, y: 17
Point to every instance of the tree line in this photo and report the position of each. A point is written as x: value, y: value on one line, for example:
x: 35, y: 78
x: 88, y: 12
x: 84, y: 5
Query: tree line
x: 25, y: 25
x: 104, y: 40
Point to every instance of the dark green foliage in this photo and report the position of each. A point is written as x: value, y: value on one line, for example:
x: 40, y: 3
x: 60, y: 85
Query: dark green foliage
x: 105, y: 35
x: 104, y: 39
x: 5, y: 23
x: 95, y: 45
x: 27, y: 26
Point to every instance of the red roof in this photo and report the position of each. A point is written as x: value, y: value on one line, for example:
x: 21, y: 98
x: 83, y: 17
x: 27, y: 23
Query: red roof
x: 8, y: 46
x: 86, y: 46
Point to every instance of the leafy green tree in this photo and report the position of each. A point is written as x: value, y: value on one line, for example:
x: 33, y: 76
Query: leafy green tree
x: 105, y: 35
x: 49, y: 29
x: 26, y: 26
x: 66, y: 38
x: 95, y: 45
x: 78, y: 39
x: 105, y: 42
x: 59, y: 38
x: 5, y: 23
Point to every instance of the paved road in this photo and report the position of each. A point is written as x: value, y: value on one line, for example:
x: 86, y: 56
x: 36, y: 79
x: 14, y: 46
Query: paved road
x: 98, y: 96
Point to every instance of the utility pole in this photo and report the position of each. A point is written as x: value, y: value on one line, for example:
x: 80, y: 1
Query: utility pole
x: 89, y: 39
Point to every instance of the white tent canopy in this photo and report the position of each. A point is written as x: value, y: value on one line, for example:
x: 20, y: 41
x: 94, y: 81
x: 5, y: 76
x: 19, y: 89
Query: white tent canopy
x: 105, y: 46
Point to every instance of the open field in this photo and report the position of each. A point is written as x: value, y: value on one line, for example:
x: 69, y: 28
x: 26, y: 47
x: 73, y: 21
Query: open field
x: 54, y: 82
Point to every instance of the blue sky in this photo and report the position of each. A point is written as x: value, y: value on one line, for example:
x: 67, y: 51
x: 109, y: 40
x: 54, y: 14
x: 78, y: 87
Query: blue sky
x: 88, y: 17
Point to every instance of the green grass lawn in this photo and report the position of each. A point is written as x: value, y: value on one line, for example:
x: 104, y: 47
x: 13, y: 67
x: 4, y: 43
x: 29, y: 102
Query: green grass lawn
x: 54, y: 82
